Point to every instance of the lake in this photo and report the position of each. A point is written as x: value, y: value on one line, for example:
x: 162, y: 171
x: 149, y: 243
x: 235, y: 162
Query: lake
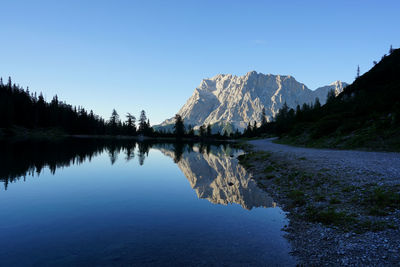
x: 86, y: 202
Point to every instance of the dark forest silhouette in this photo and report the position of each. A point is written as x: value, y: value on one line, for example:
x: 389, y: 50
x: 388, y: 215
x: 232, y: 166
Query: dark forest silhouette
x: 366, y: 113
x: 29, y: 111
x: 19, y: 107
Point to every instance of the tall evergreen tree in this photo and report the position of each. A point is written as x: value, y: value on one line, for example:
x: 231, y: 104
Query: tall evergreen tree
x: 190, y: 130
x: 263, y: 117
x: 179, y: 127
x: 130, y: 124
x: 143, y: 122
x: 317, y: 104
x: 114, y: 119
x: 202, y: 131
x: 114, y: 122
x: 208, y: 130
x: 331, y: 96
x: 358, y: 72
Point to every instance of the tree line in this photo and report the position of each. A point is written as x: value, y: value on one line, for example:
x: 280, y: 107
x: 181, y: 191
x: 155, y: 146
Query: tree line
x: 21, y: 108
x: 204, y: 131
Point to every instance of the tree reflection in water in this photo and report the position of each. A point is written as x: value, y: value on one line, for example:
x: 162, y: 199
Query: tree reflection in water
x: 210, y: 168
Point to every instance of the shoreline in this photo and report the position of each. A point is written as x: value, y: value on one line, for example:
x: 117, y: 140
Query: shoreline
x: 18, y: 134
x: 339, y: 215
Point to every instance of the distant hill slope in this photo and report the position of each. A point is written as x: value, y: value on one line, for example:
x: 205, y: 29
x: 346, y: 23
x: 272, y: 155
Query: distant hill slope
x: 365, y: 114
x: 230, y: 102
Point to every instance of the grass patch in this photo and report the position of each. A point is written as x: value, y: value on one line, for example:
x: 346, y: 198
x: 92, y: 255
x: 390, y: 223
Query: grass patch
x: 382, y: 200
x: 329, y: 216
x: 297, y: 197
x: 269, y: 169
x: 348, y: 189
x: 334, y: 200
x: 244, y: 160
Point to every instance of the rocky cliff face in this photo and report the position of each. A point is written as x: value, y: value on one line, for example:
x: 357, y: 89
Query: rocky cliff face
x: 236, y: 100
x: 220, y: 179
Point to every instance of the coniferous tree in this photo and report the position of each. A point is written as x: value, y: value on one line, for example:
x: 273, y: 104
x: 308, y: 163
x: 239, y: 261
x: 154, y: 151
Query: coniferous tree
x: 130, y: 124
x: 114, y: 122
x: 331, y: 96
x: 190, y: 131
x: 208, y: 130
x: 317, y: 104
x: 237, y: 133
x: 202, y: 131
x: 248, y: 131
x: 143, y: 122
x: 179, y: 127
x: 263, y: 118
x: 358, y: 72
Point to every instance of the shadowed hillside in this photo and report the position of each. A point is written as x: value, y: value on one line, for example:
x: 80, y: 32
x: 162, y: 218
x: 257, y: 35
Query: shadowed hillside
x: 365, y: 115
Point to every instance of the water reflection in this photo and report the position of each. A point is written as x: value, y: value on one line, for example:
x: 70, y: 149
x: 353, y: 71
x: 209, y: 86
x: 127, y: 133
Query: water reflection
x: 212, y: 169
x: 216, y: 175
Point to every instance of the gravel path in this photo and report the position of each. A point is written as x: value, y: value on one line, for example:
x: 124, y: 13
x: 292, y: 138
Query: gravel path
x: 334, y: 172
x: 384, y: 166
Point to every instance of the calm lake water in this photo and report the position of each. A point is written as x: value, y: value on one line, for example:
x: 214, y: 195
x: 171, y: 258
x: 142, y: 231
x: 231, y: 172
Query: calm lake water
x: 91, y: 202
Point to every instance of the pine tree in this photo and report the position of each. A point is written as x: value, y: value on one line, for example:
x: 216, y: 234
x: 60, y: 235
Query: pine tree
x: 317, y: 104
x: 202, y: 131
x: 179, y: 127
x: 331, y: 96
x: 358, y: 72
x: 263, y: 117
x: 9, y: 83
x: 190, y: 130
x: 114, y: 122
x: 143, y: 122
x: 114, y: 119
x: 130, y: 124
x: 209, y: 130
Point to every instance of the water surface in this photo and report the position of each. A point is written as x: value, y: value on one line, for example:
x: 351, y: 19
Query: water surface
x: 91, y: 202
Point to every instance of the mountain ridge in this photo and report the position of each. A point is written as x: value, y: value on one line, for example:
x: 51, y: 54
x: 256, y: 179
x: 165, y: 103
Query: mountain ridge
x: 227, y: 99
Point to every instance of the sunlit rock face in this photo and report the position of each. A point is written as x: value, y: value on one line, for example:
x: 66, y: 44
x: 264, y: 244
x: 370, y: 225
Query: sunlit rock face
x: 231, y: 100
x: 219, y: 178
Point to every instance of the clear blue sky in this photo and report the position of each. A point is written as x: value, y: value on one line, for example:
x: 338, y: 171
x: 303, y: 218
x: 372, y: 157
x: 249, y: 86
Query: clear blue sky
x: 150, y: 55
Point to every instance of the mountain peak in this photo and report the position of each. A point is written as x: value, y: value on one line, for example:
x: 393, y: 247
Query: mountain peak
x: 252, y: 72
x: 230, y: 102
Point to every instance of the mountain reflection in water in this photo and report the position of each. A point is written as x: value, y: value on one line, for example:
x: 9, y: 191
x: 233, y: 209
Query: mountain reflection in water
x: 212, y: 169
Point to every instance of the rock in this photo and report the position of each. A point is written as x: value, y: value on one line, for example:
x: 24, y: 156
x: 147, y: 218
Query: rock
x: 227, y: 101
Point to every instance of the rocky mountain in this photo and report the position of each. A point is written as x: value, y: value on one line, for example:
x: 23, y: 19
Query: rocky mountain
x: 229, y: 102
